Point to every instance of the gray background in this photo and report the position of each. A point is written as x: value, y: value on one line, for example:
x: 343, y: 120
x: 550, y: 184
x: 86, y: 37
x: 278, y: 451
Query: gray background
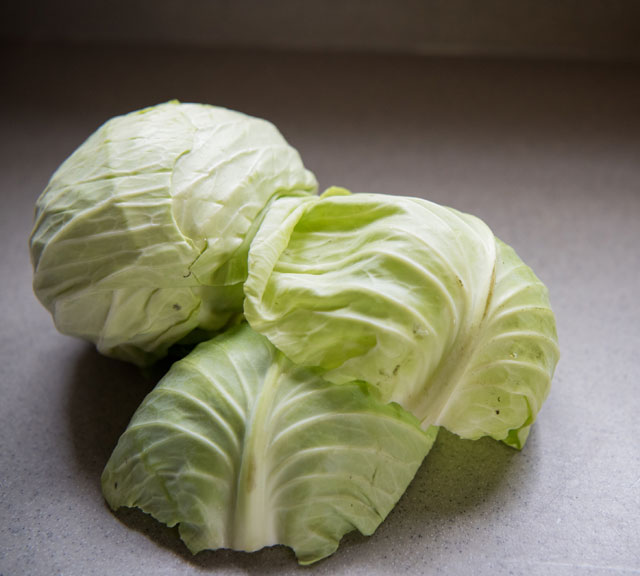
x: 547, y: 152
x: 577, y: 29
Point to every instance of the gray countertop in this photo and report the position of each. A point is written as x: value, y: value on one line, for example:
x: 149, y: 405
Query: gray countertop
x: 547, y: 154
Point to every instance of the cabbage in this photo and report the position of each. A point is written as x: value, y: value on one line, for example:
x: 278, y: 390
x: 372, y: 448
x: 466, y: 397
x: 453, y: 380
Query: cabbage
x: 142, y: 233
x: 338, y: 331
x: 419, y: 300
x: 244, y: 449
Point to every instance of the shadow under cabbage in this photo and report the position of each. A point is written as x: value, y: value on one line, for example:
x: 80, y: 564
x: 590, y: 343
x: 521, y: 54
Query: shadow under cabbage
x: 103, y: 397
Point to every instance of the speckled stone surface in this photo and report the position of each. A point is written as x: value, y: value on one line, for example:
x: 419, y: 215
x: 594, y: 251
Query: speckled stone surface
x: 547, y: 154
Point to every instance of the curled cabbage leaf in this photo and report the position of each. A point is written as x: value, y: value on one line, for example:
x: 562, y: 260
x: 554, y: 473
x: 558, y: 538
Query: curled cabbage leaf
x: 244, y: 449
x: 141, y: 235
x: 417, y: 299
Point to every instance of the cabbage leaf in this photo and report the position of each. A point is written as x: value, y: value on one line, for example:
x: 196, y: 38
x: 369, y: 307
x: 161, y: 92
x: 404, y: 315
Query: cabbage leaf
x: 417, y: 299
x: 243, y: 449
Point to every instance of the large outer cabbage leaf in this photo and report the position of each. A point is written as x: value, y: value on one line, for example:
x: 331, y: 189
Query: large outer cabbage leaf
x: 141, y: 235
x: 417, y: 299
x: 243, y: 449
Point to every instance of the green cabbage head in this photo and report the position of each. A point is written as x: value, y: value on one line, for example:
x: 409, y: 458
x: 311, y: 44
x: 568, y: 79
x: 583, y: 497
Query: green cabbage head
x: 142, y: 234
